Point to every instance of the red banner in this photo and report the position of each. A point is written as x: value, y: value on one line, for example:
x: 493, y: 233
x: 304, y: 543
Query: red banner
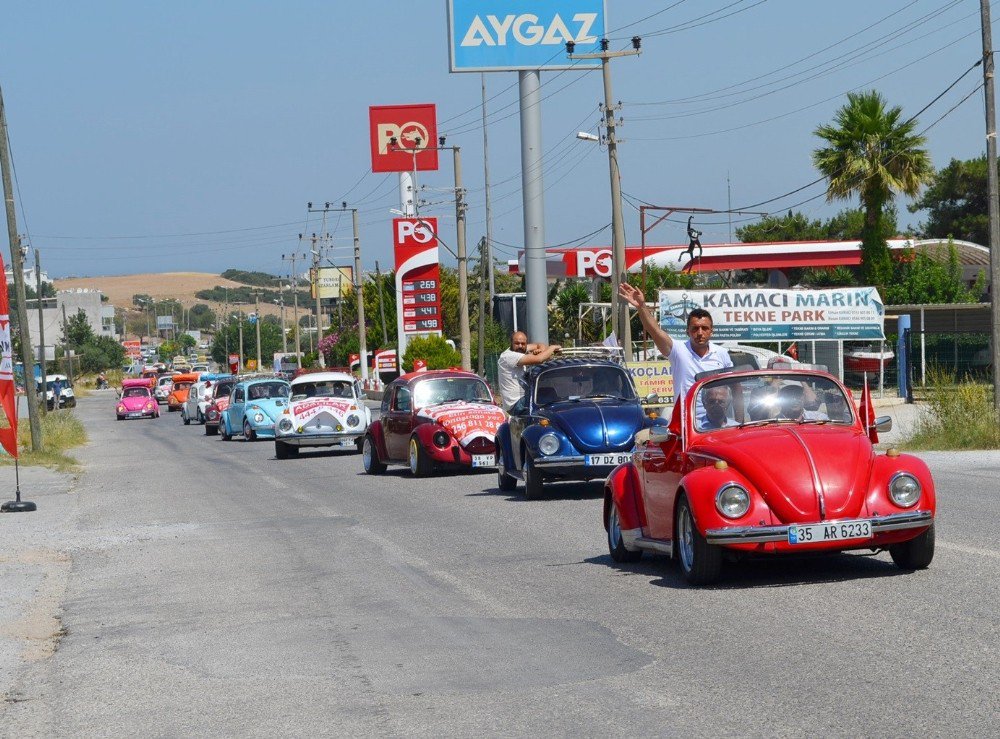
x: 8, y: 398
x: 466, y: 421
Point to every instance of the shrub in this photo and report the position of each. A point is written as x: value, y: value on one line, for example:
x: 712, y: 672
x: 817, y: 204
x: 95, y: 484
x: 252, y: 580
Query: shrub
x: 434, y: 350
x: 960, y: 415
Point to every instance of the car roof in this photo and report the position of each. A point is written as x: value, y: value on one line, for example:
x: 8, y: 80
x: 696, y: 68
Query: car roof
x: 323, y: 377
x: 431, y: 374
x: 536, y: 369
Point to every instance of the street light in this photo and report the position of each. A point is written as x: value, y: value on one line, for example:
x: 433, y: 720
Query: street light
x: 584, y: 136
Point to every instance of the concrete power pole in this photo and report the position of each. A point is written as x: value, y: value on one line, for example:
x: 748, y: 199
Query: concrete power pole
x: 315, y: 282
x: 359, y: 282
x: 381, y: 305
x: 17, y: 269
x: 295, y: 303
x: 484, y: 267
x: 41, y: 323
x: 619, y: 308
x: 256, y: 323
x: 994, y: 197
x: 463, y: 265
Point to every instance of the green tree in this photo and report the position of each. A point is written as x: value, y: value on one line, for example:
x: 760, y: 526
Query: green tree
x: 434, y: 350
x: 77, y: 330
x: 202, y: 317
x: 923, y: 279
x: 100, y: 354
x: 873, y: 154
x: 956, y: 201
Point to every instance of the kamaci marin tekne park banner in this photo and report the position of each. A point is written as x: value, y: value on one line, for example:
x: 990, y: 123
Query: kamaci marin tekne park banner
x: 845, y: 313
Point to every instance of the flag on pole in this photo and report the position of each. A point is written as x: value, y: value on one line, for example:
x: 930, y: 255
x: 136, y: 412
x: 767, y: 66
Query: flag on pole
x: 868, y: 412
x: 8, y: 399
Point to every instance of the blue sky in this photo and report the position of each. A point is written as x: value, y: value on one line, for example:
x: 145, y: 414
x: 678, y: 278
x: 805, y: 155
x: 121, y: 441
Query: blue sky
x: 189, y: 136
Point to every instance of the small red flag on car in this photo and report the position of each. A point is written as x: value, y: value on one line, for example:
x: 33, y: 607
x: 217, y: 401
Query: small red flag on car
x: 793, y: 350
x: 868, y: 412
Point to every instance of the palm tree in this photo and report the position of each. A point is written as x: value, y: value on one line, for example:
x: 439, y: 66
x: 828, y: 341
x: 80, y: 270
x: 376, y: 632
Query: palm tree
x: 874, y: 154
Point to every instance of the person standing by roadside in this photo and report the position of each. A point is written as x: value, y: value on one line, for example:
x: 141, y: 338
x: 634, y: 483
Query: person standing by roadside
x: 687, y: 359
x: 511, y: 364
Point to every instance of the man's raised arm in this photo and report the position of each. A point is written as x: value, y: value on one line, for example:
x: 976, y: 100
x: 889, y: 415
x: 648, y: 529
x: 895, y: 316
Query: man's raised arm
x: 634, y: 297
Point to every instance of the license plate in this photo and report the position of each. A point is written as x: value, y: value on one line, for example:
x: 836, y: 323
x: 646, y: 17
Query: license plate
x: 483, y: 460
x: 605, y: 460
x: 820, y: 533
x: 134, y: 415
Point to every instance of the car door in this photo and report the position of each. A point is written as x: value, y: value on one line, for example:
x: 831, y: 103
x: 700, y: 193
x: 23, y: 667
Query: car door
x: 397, y: 425
x: 661, y: 465
x: 518, y: 420
x: 236, y: 408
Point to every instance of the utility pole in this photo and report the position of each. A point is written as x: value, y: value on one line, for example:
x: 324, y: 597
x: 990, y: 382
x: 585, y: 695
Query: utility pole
x: 463, y: 267
x: 41, y: 324
x: 381, y: 305
x: 619, y: 308
x: 358, y: 284
x: 483, y: 268
x: 315, y: 285
x: 256, y: 323
x: 284, y: 333
x: 17, y: 270
x: 993, y: 188
x: 486, y: 179
x: 68, y: 357
x: 295, y: 302
x: 239, y: 318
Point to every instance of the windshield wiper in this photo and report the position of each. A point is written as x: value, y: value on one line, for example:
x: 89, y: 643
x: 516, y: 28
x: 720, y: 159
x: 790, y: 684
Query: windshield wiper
x: 613, y: 397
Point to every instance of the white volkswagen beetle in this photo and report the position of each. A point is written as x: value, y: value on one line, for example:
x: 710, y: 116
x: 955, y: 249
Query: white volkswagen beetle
x: 325, y: 409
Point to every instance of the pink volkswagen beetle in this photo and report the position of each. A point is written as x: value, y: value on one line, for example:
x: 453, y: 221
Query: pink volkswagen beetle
x: 137, y: 400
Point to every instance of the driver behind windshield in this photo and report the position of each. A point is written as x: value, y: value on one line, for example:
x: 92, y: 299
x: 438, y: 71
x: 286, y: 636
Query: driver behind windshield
x: 716, y: 400
x: 792, y: 401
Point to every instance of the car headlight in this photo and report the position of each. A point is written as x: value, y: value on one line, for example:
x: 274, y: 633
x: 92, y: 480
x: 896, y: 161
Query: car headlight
x: 732, y: 500
x: 121, y: 409
x: 212, y: 413
x: 548, y: 444
x: 904, y: 489
x: 285, y: 424
x: 149, y: 406
x: 258, y: 418
x: 353, y: 420
x: 440, y: 439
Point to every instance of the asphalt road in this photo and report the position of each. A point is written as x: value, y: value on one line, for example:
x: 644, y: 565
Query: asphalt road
x: 209, y: 589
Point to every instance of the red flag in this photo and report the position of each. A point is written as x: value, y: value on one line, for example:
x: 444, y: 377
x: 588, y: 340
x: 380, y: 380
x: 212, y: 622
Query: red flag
x: 793, y: 351
x: 868, y: 412
x: 8, y: 399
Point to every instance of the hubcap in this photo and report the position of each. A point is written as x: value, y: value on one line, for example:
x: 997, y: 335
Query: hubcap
x: 413, y: 456
x: 366, y: 454
x: 685, y: 540
x: 614, y: 529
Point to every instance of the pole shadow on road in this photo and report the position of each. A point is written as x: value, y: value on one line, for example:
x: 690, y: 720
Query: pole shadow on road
x: 555, y: 491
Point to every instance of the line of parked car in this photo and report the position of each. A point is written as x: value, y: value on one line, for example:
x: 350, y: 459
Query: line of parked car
x: 751, y: 462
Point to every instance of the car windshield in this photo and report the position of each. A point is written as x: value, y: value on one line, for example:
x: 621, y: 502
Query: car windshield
x: 767, y: 399
x: 223, y: 388
x: 182, y: 385
x: 264, y: 390
x: 450, y: 390
x: 323, y: 389
x: 583, y: 381
x: 135, y: 392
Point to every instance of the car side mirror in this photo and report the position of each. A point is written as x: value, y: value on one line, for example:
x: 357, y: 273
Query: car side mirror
x: 652, y: 398
x: 660, y: 434
x: 882, y: 423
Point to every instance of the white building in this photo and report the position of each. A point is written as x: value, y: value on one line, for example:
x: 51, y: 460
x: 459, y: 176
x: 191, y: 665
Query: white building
x: 100, y: 316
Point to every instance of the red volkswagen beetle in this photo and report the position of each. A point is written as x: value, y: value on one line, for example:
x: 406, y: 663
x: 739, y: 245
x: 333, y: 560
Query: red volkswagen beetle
x: 441, y: 418
x: 768, y: 462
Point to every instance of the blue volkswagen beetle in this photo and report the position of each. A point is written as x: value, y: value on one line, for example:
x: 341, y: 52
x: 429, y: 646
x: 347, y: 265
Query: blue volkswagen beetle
x: 577, y: 421
x: 254, y: 405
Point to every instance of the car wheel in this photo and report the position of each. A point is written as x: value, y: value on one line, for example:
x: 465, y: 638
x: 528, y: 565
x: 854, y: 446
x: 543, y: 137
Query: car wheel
x: 369, y: 457
x: 224, y: 431
x: 185, y: 419
x: 533, y: 489
x: 248, y: 433
x: 420, y: 464
x: 915, y: 554
x: 211, y: 429
x: 201, y: 416
x: 700, y: 561
x: 505, y: 482
x: 615, y: 543
x: 121, y: 418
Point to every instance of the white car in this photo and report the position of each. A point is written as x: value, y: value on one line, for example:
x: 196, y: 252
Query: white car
x: 164, y: 385
x: 200, y: 396
x: 67, y: 398
x: 325, y: 409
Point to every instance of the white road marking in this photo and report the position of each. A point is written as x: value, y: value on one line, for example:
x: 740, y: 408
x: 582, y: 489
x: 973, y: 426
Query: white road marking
x: 969, y: 550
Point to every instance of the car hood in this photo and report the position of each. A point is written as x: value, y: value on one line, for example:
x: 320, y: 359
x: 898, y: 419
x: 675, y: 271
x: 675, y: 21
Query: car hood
x: 794, y: 466
x: 134, y: 404
x: 221, y: 403
x: 597, y: 425
x: 270, y: 407
x: 466, y: 421
x: 317, y: 410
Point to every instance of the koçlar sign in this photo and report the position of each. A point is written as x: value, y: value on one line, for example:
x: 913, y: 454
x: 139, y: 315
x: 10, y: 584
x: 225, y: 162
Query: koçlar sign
x: 500, y: 35
x: 418, y: 276
x: 414, y: 128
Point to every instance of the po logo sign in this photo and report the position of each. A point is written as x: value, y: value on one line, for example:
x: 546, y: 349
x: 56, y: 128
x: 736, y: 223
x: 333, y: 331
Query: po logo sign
x: 414, y: 127
x: 594, y: 263
x: 412, y: 232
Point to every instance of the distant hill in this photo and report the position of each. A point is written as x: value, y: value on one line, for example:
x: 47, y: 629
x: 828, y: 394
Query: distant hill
x: 182, y: 286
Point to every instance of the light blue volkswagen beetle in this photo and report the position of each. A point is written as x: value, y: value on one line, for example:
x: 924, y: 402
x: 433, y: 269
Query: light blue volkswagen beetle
x: 253, y: 407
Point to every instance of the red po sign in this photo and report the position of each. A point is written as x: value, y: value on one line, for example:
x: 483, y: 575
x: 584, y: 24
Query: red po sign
x: 414, y: 128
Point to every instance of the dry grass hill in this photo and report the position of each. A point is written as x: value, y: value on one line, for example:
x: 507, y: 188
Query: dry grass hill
x: 179, y: 285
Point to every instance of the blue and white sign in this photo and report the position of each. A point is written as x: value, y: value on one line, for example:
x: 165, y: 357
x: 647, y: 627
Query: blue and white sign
x: 778, y: 315
x: 508, y: 35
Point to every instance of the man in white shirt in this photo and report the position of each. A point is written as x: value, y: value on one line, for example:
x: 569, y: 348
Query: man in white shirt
x: 687, y: 359
x: 511, y: 364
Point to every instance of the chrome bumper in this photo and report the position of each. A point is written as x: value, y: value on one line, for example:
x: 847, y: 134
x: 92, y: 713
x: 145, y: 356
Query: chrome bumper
x: 761, y: 534
x: 556, y: 462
